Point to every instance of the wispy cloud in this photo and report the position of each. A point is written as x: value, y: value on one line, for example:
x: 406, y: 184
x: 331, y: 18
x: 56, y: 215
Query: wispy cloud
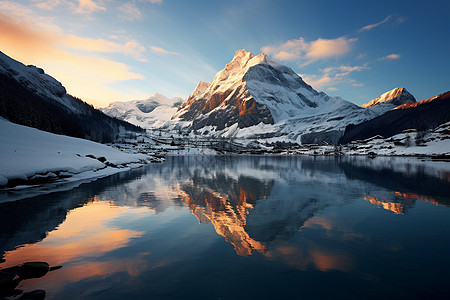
x: 130, y: 12
x: 372, y: 26
x: 130, y: 48
x: 153, y: 1
x: 401, y: 20
x: 161, y: 51
x: 331, y: 76
x: 390, y: 57
x: 307, y: 52
x: 48, y: 4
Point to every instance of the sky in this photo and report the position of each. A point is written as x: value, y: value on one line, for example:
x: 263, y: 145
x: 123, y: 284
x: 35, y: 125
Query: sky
x: 104, y: 51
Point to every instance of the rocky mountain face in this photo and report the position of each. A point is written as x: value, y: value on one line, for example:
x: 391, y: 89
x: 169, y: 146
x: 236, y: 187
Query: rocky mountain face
x: 255, y: 97
x: 149, y: 113
x: 390, y: 100
x: 421, y: 116
x: 30, y: 97
x: 227, y: 100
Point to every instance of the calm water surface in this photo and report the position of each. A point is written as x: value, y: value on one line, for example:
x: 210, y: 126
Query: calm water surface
x: 242, y: 228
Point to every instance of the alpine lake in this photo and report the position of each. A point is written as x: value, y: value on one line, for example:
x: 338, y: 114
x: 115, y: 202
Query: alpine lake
x: 240, y: 227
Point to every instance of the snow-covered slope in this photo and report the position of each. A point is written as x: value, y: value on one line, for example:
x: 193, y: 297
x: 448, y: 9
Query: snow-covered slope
x: 390, y: 100
x: 255, y: 97
x: 32, y: 98
x: 35, y: 80
x: 149, y: 113
x: 28, y: 155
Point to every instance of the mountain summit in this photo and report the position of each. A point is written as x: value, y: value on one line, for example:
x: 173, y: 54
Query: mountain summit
x: 259, y: 93
x: 390, y: 100
x: 227, y: 100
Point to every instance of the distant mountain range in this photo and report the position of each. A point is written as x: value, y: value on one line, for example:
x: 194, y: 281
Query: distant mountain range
x: 252, y: 98
x: 422, y: 115
x: 150, y: 113
x: 30, y: 97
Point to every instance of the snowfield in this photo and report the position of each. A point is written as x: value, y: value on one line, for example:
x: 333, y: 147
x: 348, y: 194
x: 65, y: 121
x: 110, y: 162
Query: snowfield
x: 28, y: 155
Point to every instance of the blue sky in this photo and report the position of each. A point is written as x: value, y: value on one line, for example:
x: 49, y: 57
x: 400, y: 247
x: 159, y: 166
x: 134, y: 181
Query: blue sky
x: 109, y: 50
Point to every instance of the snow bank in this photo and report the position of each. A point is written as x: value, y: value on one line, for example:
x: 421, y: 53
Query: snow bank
x: 31, y: 155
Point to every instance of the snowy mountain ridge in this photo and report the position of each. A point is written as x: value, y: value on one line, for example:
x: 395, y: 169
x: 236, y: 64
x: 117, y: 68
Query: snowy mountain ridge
x: 148, y: 113
x: 35, y: 80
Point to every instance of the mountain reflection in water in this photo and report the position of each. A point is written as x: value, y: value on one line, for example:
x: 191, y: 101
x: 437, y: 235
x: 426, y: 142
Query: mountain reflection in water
x: 304, y: 213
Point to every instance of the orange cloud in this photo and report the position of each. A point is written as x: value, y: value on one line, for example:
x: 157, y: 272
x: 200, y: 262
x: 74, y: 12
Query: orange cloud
x: 390, y: 57
x: 308, y: 52
x: 88, y: 7
x: 322, y: 48
x: 86, y: 77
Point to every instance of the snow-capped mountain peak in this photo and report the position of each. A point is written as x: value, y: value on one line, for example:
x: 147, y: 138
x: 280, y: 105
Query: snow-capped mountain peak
x: 257, y: 91
x: 397, y: 96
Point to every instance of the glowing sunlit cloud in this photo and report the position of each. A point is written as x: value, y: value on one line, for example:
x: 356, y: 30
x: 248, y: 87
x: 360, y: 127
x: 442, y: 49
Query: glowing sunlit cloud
x: 307, y: 52
x: 130, y: 12
x: 85, y: 77
x: 322, y: 48
x: 289, y: 51
x: 87, y: 7
x: 372, y: 26
x: 390, y: 57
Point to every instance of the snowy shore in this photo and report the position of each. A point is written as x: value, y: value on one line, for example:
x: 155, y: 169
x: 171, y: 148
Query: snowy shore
x: 30, y: 156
